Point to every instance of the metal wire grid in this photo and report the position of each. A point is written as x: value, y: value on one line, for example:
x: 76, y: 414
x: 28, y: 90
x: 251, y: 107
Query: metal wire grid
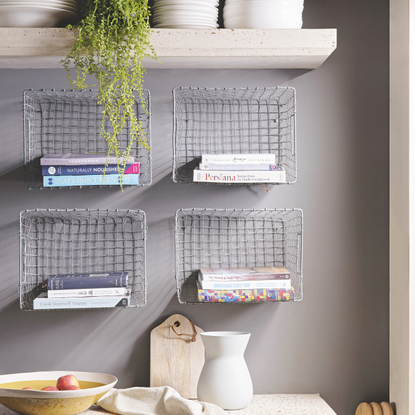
x: 69, y: 121
x: 225, y: 238
x: 57, y: 241
x: 233, y: 120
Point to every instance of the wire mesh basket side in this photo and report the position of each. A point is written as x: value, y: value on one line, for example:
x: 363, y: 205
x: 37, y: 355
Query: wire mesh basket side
x: 233, y: 120
x: 227, y: 238
x: 56, y: 241
x: 69, y: 121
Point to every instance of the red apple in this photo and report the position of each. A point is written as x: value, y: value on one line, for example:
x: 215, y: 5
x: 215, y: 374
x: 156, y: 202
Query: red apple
x: 29, y: 388
x: 71, y: 388
x: 49, y: 388
x: 66, y: 380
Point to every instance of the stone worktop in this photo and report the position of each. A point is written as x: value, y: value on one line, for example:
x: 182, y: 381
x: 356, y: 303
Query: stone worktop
x: 272, y: 404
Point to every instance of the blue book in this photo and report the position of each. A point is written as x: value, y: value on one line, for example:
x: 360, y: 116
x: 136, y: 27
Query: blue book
x: 93, y: 280
x: 87, y: 170
x: 90, y: 180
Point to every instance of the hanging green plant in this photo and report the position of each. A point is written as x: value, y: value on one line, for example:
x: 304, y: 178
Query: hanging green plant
x: 111, y: 40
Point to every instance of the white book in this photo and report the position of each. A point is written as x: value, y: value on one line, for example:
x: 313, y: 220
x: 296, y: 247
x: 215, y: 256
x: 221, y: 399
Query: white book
x: 42, y: 302
x: 88, y: 292
x: 249, y: 176
x: 245, y: 285
x: 237, y: 166
x: 244, y: 158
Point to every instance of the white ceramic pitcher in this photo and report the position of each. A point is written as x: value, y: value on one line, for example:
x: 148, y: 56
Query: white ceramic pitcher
x: 225, y: 380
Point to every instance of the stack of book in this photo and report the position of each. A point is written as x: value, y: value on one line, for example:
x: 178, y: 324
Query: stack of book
x: 71, y: 291
x: 239, y: 168
x: 87, y: 169
x: 243, y: 285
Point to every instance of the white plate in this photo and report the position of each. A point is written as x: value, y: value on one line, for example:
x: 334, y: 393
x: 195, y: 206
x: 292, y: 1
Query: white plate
x: 39, y: 4
x: 29, y: 16
x: 51, y: 2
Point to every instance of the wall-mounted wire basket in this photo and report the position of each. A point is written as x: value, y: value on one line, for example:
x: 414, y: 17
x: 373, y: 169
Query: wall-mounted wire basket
x: 229, y: 238
x: 77, y: 241
x: 69, y: 121
x: 233, y: 120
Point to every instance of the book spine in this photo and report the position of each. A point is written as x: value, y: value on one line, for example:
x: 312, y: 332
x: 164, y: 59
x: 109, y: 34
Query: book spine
x: 79, y: 161
x: 90, y: 180
x: 239, y: 158
x: 81, y: 281
x: 247, y: 277
x: 245, y: 296
x: 245, y: 285
x: 88, y: 170
x: 74, y: 303
x: 251, y: 176
x: 88, y: 292
x: 237, y: 166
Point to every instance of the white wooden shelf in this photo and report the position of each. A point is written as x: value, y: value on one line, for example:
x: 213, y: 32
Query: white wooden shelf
x: 182, y: 48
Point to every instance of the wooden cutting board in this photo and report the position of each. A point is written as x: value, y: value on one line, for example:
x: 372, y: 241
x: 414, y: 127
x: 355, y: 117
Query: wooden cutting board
x: 377, y: 409
x: 386, y: 408
x: 364, y: 409
x: 175, y: 359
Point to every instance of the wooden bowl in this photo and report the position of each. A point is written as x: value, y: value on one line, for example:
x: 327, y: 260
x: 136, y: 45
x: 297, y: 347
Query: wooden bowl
x: 38, y: 402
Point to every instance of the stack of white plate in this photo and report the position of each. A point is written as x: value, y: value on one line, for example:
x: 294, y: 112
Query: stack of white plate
x: 185, y: 14
x: 263, y: 14
x: 37, y: 13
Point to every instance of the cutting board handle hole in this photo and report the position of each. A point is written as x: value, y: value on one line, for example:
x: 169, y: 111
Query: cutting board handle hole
x: 177, y: 324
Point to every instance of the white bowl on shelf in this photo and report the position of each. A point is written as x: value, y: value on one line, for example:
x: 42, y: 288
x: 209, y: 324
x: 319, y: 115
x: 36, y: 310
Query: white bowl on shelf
x: 259, y: 13
x: 186, y: 26
x: 262, y: 22
x: 184, y: 2
x: 185, y: 7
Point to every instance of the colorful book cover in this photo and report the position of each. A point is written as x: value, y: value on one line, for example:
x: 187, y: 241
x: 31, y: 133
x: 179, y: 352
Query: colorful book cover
x: 244, y: 285
x: 249, y: 176
x: 88, y: 292
x: 245, y: 158
x: 72, y: 159
x: 244, y: 273
x: 90, y: 180
x: 237, y: 166
x: 88, y: 170
x: 244, y: 296
x: 93, y: 280
x: 42, y: 302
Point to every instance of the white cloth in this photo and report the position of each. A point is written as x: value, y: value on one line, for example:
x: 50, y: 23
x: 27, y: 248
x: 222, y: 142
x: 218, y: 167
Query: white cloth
x: 154, y: 401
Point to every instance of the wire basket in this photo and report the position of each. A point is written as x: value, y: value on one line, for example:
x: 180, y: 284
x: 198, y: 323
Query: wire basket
x: 75, y: 241
x: 228, y: 238
x: 69, y: 121
x: 233, y: 120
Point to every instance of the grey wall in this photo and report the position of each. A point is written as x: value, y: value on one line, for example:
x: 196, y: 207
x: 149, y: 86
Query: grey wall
x: 335, y: 341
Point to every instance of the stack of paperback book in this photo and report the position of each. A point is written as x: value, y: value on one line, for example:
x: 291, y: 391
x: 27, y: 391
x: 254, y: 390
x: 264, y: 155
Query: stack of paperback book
x: 87, y: 169
x: 71, y: 291
x: 239, y: 168
x: 243, y: 285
